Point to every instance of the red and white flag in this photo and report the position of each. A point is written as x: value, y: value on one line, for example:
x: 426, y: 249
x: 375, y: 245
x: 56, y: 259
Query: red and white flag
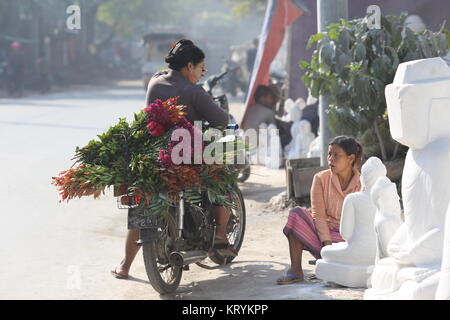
x: 279, y: 15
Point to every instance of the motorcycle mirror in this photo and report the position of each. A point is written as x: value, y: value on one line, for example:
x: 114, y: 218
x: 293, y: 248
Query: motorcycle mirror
x: 233, y: 126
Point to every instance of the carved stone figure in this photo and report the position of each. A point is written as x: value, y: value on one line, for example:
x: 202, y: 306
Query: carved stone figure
x: 443, y: 290
x: 418, y: 106
x: 302, y: 137
x: 388, y: 215
x: 347, y: 263
x: 315, y: 149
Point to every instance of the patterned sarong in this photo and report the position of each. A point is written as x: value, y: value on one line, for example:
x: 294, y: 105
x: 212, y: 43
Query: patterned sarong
x: 301, y: 225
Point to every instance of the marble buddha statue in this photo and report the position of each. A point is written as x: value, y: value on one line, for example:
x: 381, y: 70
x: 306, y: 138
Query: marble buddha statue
x: 443, y: 290
x: 347, y: 263
x: 418, y: 103
x: 388, y: 215
x: 302, y: 136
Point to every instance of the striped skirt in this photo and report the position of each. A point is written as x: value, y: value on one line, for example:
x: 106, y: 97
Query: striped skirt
x: 301, y: 225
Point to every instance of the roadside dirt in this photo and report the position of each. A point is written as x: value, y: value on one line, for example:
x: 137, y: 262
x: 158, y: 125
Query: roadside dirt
x: 264, y: 257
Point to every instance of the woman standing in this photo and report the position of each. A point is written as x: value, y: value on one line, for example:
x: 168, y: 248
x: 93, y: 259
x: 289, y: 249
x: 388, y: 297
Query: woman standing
x: 311, y: 231
x: 186, y: 66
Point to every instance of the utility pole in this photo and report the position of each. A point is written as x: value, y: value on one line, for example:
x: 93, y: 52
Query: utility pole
x: 328, y: 12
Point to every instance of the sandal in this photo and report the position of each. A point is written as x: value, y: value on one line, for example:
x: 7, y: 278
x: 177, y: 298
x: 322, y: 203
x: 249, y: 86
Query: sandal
x: 220, y: 243
x: 289, y: 278
x: 228, y: 252
x: 117, y: 275
x: 224, y: 248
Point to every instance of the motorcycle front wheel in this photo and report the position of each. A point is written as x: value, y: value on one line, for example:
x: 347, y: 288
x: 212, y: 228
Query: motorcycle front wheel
x: 163, y: 277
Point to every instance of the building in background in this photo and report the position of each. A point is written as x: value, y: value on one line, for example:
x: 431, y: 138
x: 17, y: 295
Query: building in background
x: 432, y: 12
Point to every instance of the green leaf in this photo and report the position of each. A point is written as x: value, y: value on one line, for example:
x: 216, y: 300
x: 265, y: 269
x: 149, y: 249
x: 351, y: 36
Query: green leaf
x: 313, y: 39
x: 303, y: 64
x: 359, y: 52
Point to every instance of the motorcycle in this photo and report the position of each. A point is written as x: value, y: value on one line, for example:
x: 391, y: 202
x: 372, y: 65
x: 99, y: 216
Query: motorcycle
x: 234, y: 78
x: 184, y: 235
x: 279, y: 80
x: 209, y: 85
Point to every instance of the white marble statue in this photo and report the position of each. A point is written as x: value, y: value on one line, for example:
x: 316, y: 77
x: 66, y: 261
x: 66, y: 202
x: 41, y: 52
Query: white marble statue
x: 274, y: 150
x: 315, y: 148
x: 262, y: 144
x: 388, y: 215
x: 302, y: 136
x: 418, y: 107
x: 443, y: 290
x: 293, y: 109
x: 415, y: 23
x: 347, y: 263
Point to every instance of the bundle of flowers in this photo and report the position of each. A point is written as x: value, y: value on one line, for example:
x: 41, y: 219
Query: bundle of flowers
x: 136, y: 157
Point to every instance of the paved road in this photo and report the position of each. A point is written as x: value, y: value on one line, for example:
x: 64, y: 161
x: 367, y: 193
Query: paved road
x: 51, y: 250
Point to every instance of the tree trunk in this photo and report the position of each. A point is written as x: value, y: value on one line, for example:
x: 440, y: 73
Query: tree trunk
x: 397, y: 146
x: 380, y: 140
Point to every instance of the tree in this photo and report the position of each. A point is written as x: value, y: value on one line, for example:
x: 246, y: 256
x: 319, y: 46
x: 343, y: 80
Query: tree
x: 352, y: 64
x: 242, y: 8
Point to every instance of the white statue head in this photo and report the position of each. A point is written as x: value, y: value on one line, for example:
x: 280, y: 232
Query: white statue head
x: 263, y: 126
x: 371, y: 171
x: 415, y: 23
x: 385, y: 197
x: 418, y: 102
x: 295, y: 113
x: 288, y: 104
x: 304, y: 127
x: 300, y: 102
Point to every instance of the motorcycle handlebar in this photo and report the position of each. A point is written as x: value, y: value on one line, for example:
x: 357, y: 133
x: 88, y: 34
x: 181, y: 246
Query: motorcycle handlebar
x: 216, y: 79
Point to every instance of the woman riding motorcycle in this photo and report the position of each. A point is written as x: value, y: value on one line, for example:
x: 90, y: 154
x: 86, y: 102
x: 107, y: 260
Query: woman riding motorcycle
x: 186, y: 64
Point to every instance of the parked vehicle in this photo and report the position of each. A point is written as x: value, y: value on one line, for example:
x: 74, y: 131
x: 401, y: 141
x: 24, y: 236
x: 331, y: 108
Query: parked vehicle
x: 156, y: 46
x: 234, y: 79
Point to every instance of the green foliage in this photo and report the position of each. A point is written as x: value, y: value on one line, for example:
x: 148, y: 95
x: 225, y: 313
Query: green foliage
x: 352, y: 65
x: 127, y: 154
x: 133, y: 17
x: 242, y: 8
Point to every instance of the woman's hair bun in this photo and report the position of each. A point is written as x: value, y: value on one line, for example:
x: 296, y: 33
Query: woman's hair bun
x: 183, y: 52
x: 176, y: 50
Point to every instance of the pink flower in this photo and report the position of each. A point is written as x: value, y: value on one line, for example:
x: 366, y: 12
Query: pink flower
x: 155, y: 128
x: 157, y: 112
x: 164, y: 158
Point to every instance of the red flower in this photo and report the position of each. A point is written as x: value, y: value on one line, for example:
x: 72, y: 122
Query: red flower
x: 157, y: 112
x: 155, y: 128
x: 164, y: 159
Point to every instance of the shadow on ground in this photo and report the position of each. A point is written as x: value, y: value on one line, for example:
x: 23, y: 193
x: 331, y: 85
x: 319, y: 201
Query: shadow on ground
x: 259, y: 192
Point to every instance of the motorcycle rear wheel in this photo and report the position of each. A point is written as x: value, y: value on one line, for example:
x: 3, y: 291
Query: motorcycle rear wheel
x: 235, y: 229
x: 163, y: 277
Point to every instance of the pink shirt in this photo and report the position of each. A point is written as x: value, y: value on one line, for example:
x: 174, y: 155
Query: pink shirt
x: 327, y: 198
